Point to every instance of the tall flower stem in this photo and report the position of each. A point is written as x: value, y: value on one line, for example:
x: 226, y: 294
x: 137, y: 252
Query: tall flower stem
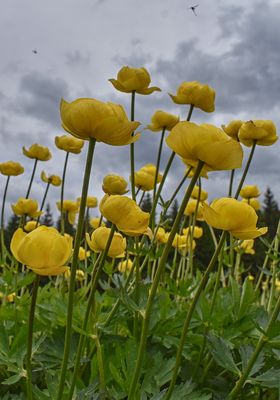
x: 246, y: 169
x: 178, y: 188
x: 261, y: 343
x: 201, y: 286
x: 2, y: 217
x: 132, y: 169
x: 153, y: 290
x: 32, y: 178
x: 158, y: 161
x: 78, y: 237
x: 29, y: 338
x: 43, y: 201
x: 62, y: 216
x: 231, y: 182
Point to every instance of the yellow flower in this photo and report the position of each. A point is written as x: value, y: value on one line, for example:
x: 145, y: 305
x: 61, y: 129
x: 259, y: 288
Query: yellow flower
x: 183, y: 242
x: 69, y: 144
x: 206, y: 143
x: 197, y: 94
x: 83, y: 254
x: 43, y: 250
x: 203, y: 173
x: 125, y: 214
x: 30, y: 226
x: 234, y: 216
x: 125, y: 266
x: 277, y: 284
x: 247, y: 246
x: 39, y: 152
x: 11, y: 168
x: 26, y: 207
x: 92, y: 201
x: 105, y: 122
x: 253, y: 203
x: 251, y: 277
x: 232, y: 128
x: 250, y: 191
x: 98, y: 240
x: 199, y: 194
x: 145, y: 177
x: 197, y: 232
x: 69, y: 206
x: 10, y: 298
x: 114, y: 184
x: 162, y: 120
x: 161, y: 235
x: 261, y: 131
x: 95, y: 222
x: 80, y: 275
x: 133, y: 80
x: 52, y: 179
x: 191, y: 207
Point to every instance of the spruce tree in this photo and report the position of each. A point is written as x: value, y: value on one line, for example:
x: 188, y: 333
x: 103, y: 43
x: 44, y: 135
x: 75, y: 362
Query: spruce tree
x: 146, y: 204
x: 47, y: 218
x: 271, y: 212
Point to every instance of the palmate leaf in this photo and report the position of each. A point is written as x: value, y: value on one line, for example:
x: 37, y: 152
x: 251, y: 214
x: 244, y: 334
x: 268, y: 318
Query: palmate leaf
x: 12, y: 379
x: 221, y: 353
x: 270, y: 379
x: 245, y: 354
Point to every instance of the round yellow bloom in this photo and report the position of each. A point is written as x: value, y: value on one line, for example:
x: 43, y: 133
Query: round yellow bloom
x: 261, y: 131
x: 98, y: 240
x: 199, y: 194
x: 11, y: 168
x: 183, y: 241
x: 95, y: 223
x: 52, y: 179
x: 10, y: 298
x: 114, y: 184
x: 26, y: 207
x: 197, y: 94
x: 133, y: 80
x: 250, y: 191
x: 125, y: 214
x: 30, y: 226
x: 125, y: 266
x: 105, y: 122
x: 234, y: 216
x: 203, y: 173
x: 197, y: 232
x: 251, y: 277
x: 163, y: 120
x: 69, y: 206
x: 144, y: 179
x: 253, y: 203
x: 80, y: 275
x: 191, y: 207
x: 39, y: 152
x: 232, y: 128
x: 206, y: 143
x: 246, y: 246
x: 44, y: 250
x: 83, y: 254
x: 161, y: 235
x: 92, y: 201
x: 69, y: 144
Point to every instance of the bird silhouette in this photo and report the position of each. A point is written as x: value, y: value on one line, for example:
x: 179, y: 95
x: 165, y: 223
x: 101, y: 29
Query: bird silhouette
x: 34, y: 51
x: 193, y: 9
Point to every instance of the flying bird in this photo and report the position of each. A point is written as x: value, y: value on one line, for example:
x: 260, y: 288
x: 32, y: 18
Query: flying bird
x: 193, y: 9
x: 34, y: 51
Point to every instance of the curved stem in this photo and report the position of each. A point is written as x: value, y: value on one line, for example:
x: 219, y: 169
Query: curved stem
x: 178, y: 188
x: 2, y: 217
x: 29, y: 338
x: 246, y: 169
x: 78, y: 237
x: 62, y: 216
x: 132, y: 178
x: 153, y: 290
x: 32, y: 178
x: 43, y: 201
x: 158, y: 161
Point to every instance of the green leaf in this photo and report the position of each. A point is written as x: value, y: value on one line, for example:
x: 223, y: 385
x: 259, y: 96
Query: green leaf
x: 269, y: 378
x: 247, y: 297
x: 245, y: 354
x: 222, y: 354
x: 13, y: 379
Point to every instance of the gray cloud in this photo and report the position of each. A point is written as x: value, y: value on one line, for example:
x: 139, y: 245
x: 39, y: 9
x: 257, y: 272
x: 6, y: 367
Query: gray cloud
x: 77, y: 59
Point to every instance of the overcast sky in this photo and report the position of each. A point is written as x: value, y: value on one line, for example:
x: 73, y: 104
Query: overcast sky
x: 231, y: 45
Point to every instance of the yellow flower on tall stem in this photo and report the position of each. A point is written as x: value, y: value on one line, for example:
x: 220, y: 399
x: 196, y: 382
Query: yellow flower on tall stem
x: 99, y: 238
x: 260, y: 132
x: 195, y: 93
x: 26, y: 207
x: 232, y: 128
x: 114, y: 184
x: 250, y: 191
x: 147, y: 177
x: 70, y: 207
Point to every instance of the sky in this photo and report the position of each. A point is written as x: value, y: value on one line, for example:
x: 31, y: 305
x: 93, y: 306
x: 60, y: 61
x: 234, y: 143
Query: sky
x: 231, y: 45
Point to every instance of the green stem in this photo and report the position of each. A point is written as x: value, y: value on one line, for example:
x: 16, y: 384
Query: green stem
x: 274, y: 269
x: 68, y: 332
x: 29, y: 338
x: 141, y: 198
x: 231, y: 182
x: 153, y: 290
x: 32, y: 178
x: 62, y: 215
x: 43, y: 201
x: 2, y: 217
x: 190, y: 313
x: 158, y: 161
x: 178, y: 188
x: 246, y: 169
x: 267, y: 258
x: 132, y: 177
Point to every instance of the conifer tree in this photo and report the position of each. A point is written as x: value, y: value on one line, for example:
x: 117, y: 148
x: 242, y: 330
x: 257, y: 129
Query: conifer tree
x: 271, y: 212
x: 47, y: 218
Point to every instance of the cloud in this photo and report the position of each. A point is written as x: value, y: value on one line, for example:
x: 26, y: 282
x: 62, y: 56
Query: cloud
x: 77, y: 59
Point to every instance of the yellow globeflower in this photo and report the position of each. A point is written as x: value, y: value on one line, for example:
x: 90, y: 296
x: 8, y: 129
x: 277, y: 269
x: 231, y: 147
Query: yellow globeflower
x: 30, y: 226
x: 206, y: 143
x: 261, y: 131
x: 39, y: 152
x: 83, y: 254
x: 44, y: 250
x: 98, y: 240
x: 247, y: 246
x: 133, y: 80
x: 183, y: 242
x: 191, y: 207
x: 203, y: 173
x: 114, y: 184
x: 197, y: 94
x: 125, y: 266
x: 161, y: 235
x: 11, y: 168
x: 125, y: 214
x: 250, y: 191
x: 80, y: 275
x: 69, y: 206
x: 197, y: 232
x: 69, y: 144
x: 145, y: 178
x: 52, y: 179
x: 162, y: 120
x: 95, y: 222
x: 234, y: 216
x: 199, y: 194
x: 253, y: 203
x: 26, y: 207
x: 232, y: 128
x: 92, y: 201
x: 105, y: 122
